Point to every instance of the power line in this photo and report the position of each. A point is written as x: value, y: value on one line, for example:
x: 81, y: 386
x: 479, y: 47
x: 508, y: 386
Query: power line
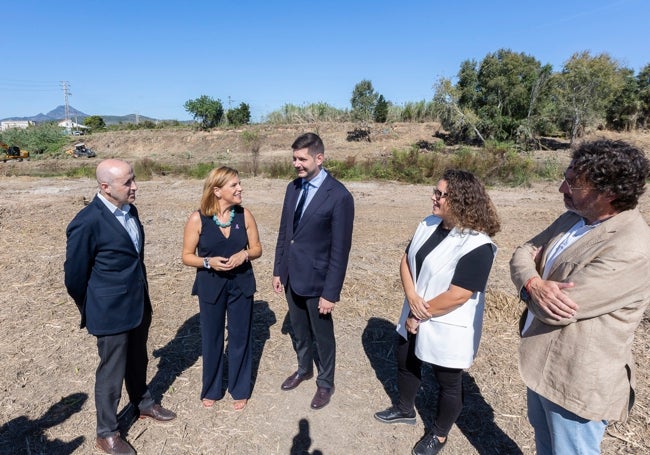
x: 27, y: 86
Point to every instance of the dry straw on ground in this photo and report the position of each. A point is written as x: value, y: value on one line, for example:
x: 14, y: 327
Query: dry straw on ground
x: 48, y: 364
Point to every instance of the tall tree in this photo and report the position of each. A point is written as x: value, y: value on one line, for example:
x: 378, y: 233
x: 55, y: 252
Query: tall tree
x: 205, y: 109
x: 381, y: 110
x: 506, y: 82
x: 467, y: 84
x: 625, y: 109
x: 643, y: 83
x: 363, y: 101
x: 585, y: 87
x: 460, y: 122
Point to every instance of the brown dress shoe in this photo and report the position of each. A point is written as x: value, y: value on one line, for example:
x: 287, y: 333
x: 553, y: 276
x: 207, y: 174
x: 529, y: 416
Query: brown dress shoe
x: 295, y: 379
x: 114, y: 445
x: 322, y: 397
x: 158, y: 413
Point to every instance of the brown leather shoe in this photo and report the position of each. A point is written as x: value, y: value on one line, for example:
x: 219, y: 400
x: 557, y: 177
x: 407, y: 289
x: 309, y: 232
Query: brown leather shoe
x: 322, y: 397
x: 114, y: 445
x: 158, y: 413
x: 295, y: 379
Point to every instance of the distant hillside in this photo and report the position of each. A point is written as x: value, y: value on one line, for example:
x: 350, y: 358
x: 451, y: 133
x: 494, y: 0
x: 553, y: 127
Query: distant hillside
x: 57, y: 114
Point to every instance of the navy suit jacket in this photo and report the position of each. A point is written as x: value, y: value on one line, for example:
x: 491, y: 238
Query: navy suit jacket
x: 104, y: 274
x: 315, y: 257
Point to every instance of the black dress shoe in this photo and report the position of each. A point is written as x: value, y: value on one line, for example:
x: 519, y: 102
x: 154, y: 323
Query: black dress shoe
x: 322, y: 397
x: 428, y: 445
x: 295, y: 379
x: 114, y: 445
x: 394, y: 415
x: 158, y: 413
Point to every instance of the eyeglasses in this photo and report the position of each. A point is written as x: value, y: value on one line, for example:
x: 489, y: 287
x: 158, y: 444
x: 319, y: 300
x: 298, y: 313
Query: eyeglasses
x: 439, y: 194
x: 570, y: 185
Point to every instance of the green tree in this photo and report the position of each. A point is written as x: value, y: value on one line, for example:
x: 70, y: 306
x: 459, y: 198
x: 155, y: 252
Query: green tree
x: 363, y: 101
x: 380, y: 113
x: 504, y: 94
x: 240, y: 115
x: 205, y: 109
x: 460, y: 122
x: 467, y: 85
x: 585, y: 88
x: 625, y: 109
x: 643, y: 83
x: 95, y: 122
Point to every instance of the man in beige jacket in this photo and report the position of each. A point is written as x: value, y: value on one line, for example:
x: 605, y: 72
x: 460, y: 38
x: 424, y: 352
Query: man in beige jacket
x: 584, y: 280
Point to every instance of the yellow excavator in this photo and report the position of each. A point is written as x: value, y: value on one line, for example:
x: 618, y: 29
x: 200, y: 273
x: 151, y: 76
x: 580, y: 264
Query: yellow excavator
x: 11, y: 152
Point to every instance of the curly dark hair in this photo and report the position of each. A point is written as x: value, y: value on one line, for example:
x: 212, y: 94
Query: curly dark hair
x: 613, y: 167
x: 469, y: 204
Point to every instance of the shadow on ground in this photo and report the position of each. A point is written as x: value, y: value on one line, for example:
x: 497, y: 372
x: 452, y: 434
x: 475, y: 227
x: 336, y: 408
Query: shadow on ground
x: 184, y: 350
x: 24, y: 436
x: 476, y: 421
x: 302, y: 441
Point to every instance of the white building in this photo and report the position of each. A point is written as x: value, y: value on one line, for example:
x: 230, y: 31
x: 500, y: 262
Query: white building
x: 70, y: 125
x: 8, y: 124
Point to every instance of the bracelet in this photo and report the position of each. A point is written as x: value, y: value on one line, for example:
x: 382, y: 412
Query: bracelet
x: 246, y: 253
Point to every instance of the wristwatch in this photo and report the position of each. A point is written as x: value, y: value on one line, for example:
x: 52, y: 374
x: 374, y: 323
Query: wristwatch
x: 206, y: 263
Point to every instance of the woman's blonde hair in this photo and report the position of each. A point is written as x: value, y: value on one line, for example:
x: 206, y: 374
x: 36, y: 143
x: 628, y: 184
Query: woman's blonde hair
x: 217, y: 178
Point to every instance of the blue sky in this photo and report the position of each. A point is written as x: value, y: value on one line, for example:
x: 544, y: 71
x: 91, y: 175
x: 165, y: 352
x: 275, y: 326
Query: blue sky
x: 150, y: 57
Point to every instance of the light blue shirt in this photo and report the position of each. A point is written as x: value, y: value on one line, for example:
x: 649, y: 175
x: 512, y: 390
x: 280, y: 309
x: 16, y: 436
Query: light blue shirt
x: 124, y: 219
x: 313, y: 185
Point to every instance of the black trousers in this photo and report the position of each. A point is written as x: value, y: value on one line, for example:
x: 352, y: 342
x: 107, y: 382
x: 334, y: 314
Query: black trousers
x: 310, y: 328
x: 409, y: 378
x: 122, y: 358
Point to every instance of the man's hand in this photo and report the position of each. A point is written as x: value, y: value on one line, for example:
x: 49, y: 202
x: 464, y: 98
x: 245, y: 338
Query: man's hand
x: 549, y: 296
x: 277, y: 285
x: 325, y: 306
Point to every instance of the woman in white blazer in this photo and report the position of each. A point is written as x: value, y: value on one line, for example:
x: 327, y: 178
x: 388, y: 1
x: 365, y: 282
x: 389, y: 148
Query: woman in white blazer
x: 444, y: 273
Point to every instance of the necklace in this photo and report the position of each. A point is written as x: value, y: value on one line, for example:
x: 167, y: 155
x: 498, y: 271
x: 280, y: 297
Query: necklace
x: 228, y: 223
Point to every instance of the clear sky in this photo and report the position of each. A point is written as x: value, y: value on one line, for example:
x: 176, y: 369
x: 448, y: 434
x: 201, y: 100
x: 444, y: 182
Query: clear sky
x: 150, y: 57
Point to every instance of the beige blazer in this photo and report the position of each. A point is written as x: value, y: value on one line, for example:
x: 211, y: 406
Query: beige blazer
x: 584, y: 364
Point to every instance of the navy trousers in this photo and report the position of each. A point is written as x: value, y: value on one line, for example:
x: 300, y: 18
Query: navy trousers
x: 232, y: 304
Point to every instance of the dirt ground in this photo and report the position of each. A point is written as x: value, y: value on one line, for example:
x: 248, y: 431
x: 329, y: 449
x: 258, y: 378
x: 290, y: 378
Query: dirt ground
x: 48, y: 363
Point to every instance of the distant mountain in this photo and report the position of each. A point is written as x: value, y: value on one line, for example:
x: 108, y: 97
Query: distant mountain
x: 57, y: 114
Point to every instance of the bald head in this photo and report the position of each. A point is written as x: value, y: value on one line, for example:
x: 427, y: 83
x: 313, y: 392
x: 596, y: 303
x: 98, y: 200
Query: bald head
x: 116, y: 181
x: 108, y: 170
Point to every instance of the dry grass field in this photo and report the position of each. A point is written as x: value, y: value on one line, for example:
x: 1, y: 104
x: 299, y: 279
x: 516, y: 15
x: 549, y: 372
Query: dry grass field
x: 48, y: 363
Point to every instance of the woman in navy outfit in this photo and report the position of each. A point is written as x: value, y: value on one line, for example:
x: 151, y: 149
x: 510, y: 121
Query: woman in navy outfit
x: 220, y: 240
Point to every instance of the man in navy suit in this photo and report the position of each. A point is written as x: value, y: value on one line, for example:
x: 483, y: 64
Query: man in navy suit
x: 106, y: 276
x: 311, y: 257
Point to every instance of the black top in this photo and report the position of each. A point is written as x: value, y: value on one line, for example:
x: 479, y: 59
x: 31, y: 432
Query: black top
x: 209, y: 282
x: 472, y: 270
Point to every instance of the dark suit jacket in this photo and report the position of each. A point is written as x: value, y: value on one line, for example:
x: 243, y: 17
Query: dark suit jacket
x: 104, y: 273
x: 315, y: 257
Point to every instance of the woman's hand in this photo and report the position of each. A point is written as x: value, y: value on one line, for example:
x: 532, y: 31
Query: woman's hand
x: 419, y: 307
x: 412, y: 324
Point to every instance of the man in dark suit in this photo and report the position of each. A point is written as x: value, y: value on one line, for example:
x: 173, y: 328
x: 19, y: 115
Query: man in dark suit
x: 106, y: 276
x: 311, y: 258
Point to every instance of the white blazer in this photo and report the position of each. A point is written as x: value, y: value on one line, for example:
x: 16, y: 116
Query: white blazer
x: 450, y: 340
